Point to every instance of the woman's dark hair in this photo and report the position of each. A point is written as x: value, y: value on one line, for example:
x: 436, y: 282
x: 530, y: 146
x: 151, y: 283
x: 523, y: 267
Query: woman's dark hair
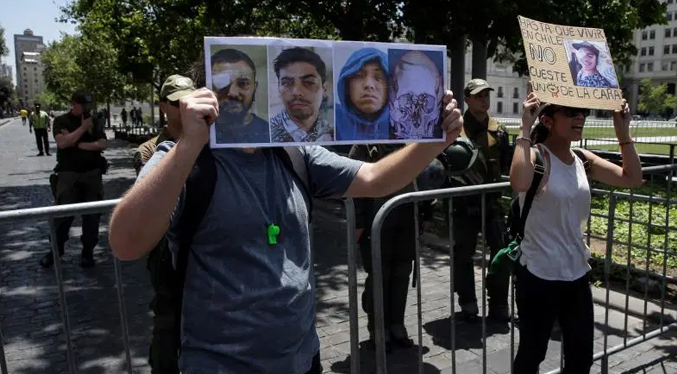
x: 539, y: 133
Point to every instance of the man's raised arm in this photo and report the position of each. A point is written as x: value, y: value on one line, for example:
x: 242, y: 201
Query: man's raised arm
x: 142, y: 217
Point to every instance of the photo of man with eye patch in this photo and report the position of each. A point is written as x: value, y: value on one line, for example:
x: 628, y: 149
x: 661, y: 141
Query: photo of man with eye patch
x: 235, y: 83
x: 303, y: 87
x: 362, y: 111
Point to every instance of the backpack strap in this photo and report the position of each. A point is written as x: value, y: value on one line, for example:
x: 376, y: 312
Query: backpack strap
x: 539, y: 171
x: 586, y: 163
x: 294, y: 161
x: 199, y: 189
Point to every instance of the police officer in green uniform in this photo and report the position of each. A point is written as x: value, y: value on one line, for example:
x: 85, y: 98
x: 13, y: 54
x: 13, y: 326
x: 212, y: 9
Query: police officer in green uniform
x: 39, y: 121
x: 494, y: 157
x: 80, y: 140
x: 398, y: 245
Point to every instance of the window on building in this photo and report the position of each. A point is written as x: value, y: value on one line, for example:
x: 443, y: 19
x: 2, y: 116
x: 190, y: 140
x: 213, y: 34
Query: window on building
x: 673, y: 65
x: 674, y: 32
x: 499, y: 107
x: 666, y: 50
x: 515, y: 108
x: 670, y: 1
x: 664, y: 66
x: 651, y: 51
x: 649, y: 66
x: 500, y: 92
x: 645, y: 34
x: 668, y: 32
x: 668, y: 16
x: 643, y: 51
x: 652, y: 34
x: 674, y: 49
x: 516, y: 93
x: 641, y: 68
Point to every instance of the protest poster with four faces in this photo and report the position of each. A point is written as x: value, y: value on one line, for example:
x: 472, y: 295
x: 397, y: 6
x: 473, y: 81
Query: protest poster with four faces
x: 277, y: 91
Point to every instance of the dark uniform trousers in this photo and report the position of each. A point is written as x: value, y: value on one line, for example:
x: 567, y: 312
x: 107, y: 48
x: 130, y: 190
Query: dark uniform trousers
x: 398, y: 250
x: 71, y: 188
x: 42, y: 140
x: 467, y: 225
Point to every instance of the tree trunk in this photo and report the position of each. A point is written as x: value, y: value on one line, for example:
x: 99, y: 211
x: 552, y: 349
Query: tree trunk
x: 108, y: 112
x: 457, y: 54
x: 479, y: 58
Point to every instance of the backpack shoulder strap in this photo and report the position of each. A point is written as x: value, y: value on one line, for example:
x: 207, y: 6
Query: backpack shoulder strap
x: 539, y: 171
x: 586, y: 163
x: 294, y: 161
x: 199, y: 189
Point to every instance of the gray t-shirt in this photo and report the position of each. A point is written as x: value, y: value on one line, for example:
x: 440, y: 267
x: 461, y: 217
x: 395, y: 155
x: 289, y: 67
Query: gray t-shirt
x: 249, y: 306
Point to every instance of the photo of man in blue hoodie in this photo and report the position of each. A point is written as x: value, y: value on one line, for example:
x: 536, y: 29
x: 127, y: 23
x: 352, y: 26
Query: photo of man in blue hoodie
x: 362, y: 89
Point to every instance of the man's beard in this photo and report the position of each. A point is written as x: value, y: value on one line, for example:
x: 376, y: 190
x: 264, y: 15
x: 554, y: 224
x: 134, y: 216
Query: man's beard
x: 235, y: 112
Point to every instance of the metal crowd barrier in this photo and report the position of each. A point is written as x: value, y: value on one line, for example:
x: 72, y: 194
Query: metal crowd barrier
x: 448, y: 194
x: 51, y: 212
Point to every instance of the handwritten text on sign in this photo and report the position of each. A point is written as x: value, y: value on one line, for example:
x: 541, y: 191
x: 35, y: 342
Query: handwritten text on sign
x: 570, y: 66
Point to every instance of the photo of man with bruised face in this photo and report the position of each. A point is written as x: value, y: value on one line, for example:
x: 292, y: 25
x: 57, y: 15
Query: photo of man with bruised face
x: 362, y: 95
x: 235, y: 84
x: 302, y: 87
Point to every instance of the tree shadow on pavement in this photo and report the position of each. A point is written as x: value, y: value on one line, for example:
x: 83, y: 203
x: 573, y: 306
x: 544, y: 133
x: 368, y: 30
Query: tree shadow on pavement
x: 30, y: 310
x: 397, y: 361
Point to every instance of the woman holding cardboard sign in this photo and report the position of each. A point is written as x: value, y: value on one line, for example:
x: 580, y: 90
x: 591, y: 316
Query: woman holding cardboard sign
x: 552, y: 269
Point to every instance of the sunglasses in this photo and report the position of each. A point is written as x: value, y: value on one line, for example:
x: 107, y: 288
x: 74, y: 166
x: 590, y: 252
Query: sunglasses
x: 573, y: 112
x: 174, y: 103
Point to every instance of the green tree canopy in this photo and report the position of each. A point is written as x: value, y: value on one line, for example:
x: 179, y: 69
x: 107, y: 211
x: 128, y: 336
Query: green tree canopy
x: 3, y: 43
x: 655, y: 99
x: 7, y: 92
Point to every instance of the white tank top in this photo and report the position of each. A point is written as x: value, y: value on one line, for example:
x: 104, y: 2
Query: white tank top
x: 554, y: 247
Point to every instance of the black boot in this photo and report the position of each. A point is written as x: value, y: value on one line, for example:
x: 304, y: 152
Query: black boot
x: 87, y: 259
x: 48, y: 259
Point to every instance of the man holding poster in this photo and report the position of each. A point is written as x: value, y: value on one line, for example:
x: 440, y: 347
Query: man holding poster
x: 249, y: 294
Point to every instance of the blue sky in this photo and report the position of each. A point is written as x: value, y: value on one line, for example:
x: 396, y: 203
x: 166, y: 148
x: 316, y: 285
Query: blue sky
x: 37, y: 15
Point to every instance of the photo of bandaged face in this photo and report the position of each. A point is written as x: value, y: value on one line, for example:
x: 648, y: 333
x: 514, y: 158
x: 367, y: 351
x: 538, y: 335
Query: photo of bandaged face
x: 416, y: 91
x: 235, y: 86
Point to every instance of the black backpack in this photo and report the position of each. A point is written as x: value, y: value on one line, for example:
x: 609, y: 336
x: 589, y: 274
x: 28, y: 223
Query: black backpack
x: 516, y: 217
x: 199, y: 189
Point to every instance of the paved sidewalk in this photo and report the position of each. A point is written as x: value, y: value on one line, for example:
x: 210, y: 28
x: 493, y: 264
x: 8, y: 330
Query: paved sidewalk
x: 31, y: 321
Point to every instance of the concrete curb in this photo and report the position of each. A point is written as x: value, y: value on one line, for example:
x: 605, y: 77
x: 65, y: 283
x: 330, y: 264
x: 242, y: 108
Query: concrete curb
x: 616, y: 299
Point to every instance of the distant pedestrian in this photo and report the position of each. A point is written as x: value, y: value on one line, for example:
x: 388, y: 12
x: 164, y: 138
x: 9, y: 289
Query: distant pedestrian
x: 39, y: 120
x: 123, y: 116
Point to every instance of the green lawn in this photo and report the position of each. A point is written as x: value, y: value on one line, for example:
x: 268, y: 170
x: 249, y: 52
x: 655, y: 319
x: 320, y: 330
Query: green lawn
x: 641, y: 233
x: 608, y: 132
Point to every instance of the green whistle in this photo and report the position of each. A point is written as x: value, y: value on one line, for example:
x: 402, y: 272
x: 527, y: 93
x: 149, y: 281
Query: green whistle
x: 273, y: 232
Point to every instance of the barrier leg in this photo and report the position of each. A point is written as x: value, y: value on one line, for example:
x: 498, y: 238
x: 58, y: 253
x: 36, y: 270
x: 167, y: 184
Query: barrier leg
x: 123, y: 313
x: 352, y: 288
x: 3, y: 359
x: 62, y: 299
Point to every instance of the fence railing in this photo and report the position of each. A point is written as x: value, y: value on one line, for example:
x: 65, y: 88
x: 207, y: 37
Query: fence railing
x: 667, y: 250
x: 600, y: 132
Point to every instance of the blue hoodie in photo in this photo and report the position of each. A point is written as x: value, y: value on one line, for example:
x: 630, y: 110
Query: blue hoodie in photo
x: 349, y: 124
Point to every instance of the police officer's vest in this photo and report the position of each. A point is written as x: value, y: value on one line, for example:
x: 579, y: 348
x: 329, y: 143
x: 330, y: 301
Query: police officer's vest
x: 39, y: 119
x: 490, y: 142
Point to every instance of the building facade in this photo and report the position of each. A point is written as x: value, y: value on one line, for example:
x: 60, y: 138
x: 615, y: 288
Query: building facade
x: 5, y: 70
x: 656, y: 57
x: 510, y: 89
x: 32, y: 80
x: 29, y: 80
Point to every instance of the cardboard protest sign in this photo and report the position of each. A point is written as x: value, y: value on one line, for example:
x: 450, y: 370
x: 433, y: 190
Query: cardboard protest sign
x: 282, y: 92
x: 570, y: 66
